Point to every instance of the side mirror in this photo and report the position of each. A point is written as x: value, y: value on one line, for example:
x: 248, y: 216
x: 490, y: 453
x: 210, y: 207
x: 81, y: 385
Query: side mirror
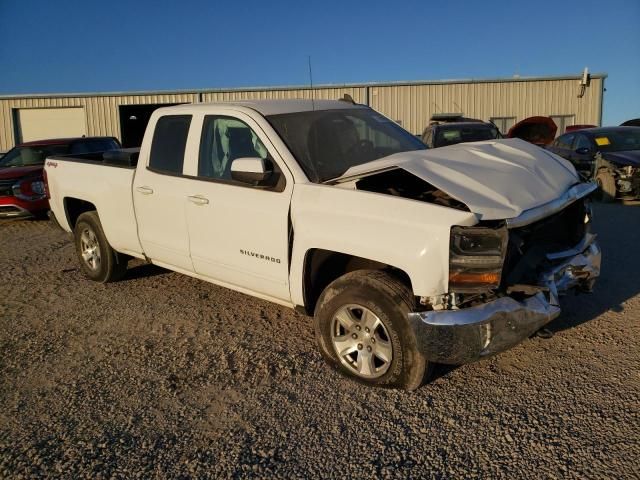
x: 583, y: 150
x: 251, y: 170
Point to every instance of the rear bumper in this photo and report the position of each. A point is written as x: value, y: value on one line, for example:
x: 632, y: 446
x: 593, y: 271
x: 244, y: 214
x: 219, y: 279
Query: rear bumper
x: 469, y: 334
x: 11, y: 207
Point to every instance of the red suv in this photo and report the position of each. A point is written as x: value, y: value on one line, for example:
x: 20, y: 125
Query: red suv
x: 22, y: 187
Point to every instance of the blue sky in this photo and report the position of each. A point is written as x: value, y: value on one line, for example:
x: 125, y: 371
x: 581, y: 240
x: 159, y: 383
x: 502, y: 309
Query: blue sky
x: 115, y: 45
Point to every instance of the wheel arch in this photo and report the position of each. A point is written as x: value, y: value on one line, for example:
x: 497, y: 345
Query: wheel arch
x: 74, y: 207
x: 321, y: 267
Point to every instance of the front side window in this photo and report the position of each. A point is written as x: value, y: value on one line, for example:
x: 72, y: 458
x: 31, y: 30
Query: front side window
x: 169, y: 142
x: 32, y: 155
x: 223, y: 140
x: 326, y: 143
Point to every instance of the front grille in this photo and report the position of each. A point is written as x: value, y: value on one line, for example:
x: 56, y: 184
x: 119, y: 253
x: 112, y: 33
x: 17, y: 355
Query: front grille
x: 5, y: 187
x: 529, y: 245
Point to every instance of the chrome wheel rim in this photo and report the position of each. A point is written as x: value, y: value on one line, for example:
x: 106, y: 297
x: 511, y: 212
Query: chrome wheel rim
x: 361, y: 341
x: 90, y: 249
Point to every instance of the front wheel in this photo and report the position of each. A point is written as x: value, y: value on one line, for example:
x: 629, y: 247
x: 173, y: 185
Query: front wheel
x: 362, y: 329
x: 97, y: 259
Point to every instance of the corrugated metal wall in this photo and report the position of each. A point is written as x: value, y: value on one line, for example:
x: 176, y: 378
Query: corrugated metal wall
x: 357, y: 93
x: 102, y: 114
x: 411, y: 104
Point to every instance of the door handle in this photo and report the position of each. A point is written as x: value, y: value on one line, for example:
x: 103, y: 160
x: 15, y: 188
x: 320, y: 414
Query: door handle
x: 198, y: 199
x: 145, y: 190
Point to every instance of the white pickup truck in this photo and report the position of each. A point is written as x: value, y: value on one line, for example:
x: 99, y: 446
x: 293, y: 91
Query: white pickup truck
x: 404, y: 256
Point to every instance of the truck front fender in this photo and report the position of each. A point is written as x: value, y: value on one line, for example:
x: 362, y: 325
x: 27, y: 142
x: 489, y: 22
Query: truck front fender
x: 409, y: 235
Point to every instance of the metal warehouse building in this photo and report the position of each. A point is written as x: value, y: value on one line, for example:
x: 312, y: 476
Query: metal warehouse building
x: 124, y: 115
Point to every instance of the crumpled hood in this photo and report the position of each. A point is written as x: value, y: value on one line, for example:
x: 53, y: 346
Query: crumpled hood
x: 630, y: 157
x: 496, y: 179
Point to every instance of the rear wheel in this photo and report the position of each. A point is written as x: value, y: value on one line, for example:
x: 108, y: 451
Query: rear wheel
x: 607, y: 185
x: 98, y: 260
x: 362, y: 329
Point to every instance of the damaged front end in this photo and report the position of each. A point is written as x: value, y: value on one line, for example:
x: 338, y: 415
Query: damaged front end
x: 505, y: 280
x: 628, y: 181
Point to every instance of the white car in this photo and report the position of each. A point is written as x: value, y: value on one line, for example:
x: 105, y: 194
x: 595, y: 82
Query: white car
x: 404, y: 256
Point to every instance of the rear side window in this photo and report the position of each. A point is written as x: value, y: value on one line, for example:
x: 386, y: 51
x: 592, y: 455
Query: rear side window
x: 169, y: 141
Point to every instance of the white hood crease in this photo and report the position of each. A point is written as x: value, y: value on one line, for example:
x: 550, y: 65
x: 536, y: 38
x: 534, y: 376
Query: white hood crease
x: 496, y: 179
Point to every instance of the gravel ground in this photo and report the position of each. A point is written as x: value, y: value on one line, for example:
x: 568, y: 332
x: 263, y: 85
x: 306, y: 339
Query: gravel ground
x: 161, y: 375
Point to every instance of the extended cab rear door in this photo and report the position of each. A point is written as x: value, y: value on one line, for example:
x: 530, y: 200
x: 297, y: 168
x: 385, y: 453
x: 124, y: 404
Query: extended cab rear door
x: 160, y: 191
x: 238, y: 234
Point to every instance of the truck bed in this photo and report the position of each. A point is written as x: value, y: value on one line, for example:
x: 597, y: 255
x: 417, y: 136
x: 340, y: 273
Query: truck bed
x: 110, y: 180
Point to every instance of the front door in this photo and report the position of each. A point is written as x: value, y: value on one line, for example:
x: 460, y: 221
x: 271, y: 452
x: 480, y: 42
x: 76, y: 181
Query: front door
x: 238, y: 234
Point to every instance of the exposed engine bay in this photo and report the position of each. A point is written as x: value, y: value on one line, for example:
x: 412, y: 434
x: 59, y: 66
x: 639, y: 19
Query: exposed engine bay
x: 627, y: 177
x: 400, y: 183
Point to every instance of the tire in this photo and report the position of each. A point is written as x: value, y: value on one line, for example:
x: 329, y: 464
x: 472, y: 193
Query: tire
x: 607, y: 184
x: 98, y: 260
x: 386, y: 354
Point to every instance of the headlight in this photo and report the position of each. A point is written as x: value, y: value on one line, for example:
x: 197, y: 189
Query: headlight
x: 476, y: 257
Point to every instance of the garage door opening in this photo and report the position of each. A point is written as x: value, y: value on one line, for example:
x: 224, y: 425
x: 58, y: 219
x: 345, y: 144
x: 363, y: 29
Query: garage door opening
x: 134, y: 120
x: 44, y: 123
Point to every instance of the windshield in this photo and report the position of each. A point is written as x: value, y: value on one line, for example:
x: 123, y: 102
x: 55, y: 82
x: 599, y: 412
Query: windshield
x: 33, y: 155
x: 327, y: 143
x: 618, y: 140
x: 450, y: 135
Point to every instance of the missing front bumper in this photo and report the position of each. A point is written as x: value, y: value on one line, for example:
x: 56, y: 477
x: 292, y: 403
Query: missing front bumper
x: 469, y: 334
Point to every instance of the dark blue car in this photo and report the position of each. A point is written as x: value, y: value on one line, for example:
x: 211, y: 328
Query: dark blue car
x: 611, y: 155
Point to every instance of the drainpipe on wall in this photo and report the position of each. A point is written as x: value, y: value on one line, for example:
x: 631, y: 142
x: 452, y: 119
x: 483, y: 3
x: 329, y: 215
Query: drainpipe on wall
x: 601, y: 105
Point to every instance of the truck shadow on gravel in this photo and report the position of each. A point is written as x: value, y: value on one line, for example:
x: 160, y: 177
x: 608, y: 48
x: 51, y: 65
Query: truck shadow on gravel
x: 144, y: 270
x: 619, y: 238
